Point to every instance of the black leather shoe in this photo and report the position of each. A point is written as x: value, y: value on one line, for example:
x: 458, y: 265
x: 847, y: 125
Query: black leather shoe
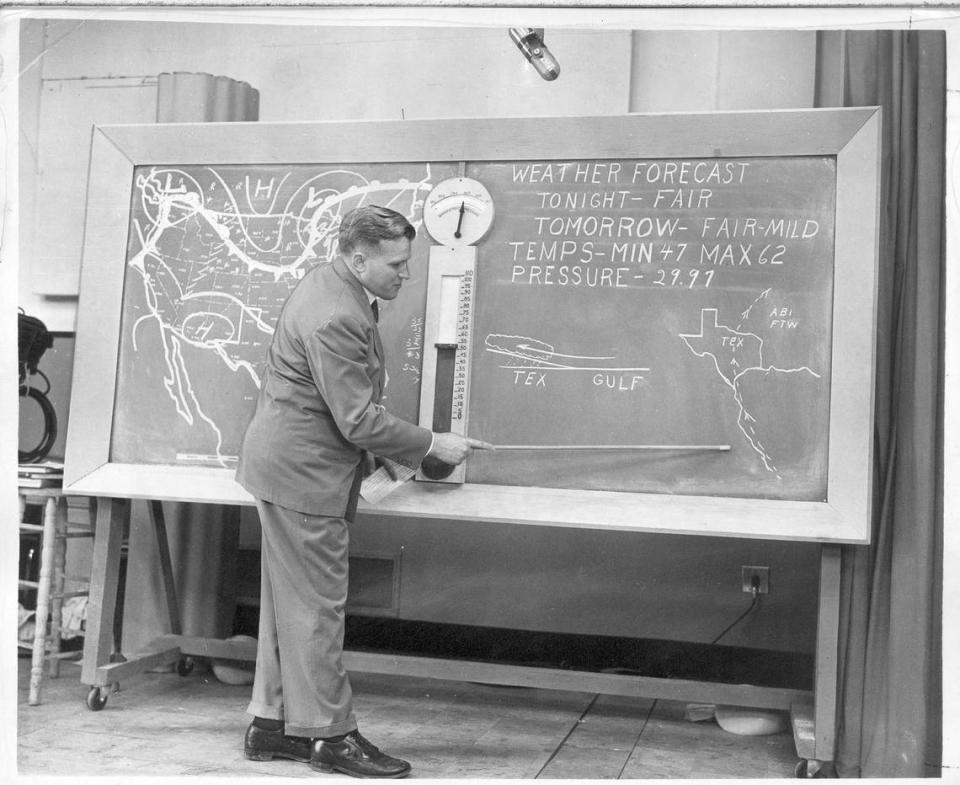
x: 260, y: 744
x: 356, y: 756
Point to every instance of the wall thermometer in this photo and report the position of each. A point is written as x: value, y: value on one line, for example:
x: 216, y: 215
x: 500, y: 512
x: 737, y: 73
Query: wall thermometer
x: 457, y: 213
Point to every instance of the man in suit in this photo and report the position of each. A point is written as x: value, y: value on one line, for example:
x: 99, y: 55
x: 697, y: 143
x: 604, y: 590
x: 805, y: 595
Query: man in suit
x: 317, y: 423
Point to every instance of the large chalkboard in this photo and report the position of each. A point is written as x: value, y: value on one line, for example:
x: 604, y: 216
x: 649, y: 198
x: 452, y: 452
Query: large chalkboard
x: 691, y: 296
x: 213, y: 252
x: 657, y: 303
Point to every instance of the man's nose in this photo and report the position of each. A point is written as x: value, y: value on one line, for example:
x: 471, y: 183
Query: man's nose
x: 404, y: 271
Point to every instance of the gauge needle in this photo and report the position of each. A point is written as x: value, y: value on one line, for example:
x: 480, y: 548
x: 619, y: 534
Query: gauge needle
x: 460, y: 220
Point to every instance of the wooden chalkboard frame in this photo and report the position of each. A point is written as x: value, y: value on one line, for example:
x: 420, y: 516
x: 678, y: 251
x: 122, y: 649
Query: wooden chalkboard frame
x: 851, y: 135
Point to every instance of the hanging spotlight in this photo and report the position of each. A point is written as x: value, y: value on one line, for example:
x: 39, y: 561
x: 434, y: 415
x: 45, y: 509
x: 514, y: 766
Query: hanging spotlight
x: 529, y: 40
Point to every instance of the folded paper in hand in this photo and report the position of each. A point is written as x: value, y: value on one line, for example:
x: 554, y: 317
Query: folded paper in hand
x: 380, y: 484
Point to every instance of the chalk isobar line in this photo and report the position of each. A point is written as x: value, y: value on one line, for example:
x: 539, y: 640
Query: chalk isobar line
x: 543, y: 357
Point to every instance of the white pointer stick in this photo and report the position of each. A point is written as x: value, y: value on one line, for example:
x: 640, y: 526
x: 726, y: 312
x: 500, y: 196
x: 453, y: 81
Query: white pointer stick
x: 612, y: 447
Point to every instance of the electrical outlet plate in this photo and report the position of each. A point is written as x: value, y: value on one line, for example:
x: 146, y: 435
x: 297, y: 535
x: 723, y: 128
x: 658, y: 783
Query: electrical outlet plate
x: 762, y: 575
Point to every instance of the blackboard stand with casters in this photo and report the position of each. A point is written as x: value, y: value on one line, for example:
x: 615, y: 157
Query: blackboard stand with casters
x: 813, y: 714
x: 103, y: 665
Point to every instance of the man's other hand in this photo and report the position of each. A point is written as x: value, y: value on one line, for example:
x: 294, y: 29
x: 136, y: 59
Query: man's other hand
x: 453, y: 448
x: 373, y: 462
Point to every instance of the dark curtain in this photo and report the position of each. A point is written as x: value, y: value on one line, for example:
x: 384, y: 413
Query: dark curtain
x: 890, y: 703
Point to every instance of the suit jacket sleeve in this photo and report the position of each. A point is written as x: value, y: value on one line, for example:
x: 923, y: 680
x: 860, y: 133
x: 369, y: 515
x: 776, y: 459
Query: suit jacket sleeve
x: 338, y: 357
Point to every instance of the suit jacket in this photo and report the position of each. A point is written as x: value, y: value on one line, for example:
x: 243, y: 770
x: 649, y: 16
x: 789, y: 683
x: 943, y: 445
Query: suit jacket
x: 319, y: 402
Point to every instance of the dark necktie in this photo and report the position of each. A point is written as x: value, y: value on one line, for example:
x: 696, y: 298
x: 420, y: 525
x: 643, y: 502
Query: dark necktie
x: 375, y: 307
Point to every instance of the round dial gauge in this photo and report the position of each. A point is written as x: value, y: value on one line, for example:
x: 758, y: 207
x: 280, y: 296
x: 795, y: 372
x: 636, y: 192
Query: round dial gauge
x: 458, y: 211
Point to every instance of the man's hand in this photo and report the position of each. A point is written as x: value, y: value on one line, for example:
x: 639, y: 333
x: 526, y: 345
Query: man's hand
x: 453, y: 448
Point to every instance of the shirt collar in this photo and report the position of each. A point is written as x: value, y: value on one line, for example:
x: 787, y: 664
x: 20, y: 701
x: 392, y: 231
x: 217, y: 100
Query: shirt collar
x: 351, y: 274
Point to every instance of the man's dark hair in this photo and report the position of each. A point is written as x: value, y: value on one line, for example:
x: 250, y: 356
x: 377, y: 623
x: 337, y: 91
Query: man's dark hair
x: 370, y: 224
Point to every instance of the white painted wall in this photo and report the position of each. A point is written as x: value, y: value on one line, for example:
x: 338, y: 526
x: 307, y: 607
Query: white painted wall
x: 308, y: 72
x: 706, y: 70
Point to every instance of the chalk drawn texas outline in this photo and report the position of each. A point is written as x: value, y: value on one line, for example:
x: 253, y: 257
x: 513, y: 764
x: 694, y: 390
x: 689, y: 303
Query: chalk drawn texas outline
x: 745, y: 357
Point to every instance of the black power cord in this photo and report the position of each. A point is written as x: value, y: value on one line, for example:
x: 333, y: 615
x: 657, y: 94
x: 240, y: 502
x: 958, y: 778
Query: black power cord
x: 755, y: 589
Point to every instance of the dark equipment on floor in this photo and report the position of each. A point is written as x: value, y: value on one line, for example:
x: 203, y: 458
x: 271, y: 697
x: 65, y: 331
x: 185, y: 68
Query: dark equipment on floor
x: 33, y: 340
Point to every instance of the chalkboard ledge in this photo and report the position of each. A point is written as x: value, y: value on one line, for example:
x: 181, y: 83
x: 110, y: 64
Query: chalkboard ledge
x: 700, y: 515
x: 657, y: 513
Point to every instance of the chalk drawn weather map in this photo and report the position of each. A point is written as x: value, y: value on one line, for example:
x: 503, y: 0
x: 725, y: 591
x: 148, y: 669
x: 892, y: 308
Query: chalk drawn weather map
x: 213, y: 253
x: 737, y: 365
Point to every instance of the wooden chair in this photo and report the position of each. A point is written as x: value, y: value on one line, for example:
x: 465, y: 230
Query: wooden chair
x: 54, y: 531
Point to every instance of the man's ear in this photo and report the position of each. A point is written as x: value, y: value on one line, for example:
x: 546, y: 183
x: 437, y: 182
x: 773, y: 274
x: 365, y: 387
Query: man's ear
x: 358, y: 261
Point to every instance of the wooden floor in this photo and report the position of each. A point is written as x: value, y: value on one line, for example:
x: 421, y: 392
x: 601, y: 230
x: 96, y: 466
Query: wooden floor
x: 162, y: 724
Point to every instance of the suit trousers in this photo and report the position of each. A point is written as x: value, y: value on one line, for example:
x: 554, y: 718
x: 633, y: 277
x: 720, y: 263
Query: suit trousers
x: 299, y: 676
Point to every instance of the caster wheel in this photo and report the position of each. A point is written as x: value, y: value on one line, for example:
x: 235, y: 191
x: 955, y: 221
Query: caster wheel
x: 96, y: 699
x: 813, y: 769
x: 185, y: 666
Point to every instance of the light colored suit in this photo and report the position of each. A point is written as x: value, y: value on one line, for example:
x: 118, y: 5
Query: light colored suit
x: 317, y: 412
x: 319, y: 403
